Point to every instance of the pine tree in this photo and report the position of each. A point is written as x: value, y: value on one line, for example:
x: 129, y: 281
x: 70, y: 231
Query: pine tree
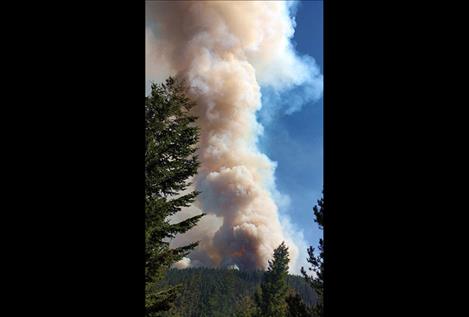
x: 274, y: 287
x: 316, y: 281
x: 170, y: 160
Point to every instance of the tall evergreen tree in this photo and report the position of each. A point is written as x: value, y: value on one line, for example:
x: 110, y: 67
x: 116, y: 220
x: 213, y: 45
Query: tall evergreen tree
x: 274, y: 287
x: 316, y: 280
x: 170, y: 161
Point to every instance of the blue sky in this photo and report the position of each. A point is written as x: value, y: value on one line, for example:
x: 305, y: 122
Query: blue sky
x: 295, y: 141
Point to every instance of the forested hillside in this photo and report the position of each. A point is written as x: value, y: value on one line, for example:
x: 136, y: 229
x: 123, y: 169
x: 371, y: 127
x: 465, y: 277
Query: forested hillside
x: 222, y: 292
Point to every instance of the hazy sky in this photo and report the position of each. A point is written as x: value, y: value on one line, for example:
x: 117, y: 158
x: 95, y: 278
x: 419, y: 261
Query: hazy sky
x: 295, y: 141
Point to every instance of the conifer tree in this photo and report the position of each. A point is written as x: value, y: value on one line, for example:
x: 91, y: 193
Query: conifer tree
x: 317, y: 262
x: 170, y: 161
x: 274, y: 287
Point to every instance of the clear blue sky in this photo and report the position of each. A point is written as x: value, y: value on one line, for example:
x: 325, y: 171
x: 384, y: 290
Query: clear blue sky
x: 295, y: 141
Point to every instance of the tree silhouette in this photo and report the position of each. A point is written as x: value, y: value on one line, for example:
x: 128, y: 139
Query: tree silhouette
x: 274, y: 287
x: 170, y: 160
x: 316, y: 280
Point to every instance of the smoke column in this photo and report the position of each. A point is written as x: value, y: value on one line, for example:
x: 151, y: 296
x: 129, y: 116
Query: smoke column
x: 226, y: 51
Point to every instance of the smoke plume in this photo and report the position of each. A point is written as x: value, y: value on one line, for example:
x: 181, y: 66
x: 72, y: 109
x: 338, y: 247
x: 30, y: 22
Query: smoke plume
x: 226, y: 51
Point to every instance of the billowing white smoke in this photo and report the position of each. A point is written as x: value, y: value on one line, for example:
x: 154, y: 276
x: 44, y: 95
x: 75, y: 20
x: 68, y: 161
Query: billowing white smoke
x: 226, y: 51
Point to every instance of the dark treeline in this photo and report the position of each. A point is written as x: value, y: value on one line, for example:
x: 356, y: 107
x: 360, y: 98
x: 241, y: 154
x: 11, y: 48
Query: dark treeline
x: 223, y: 292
